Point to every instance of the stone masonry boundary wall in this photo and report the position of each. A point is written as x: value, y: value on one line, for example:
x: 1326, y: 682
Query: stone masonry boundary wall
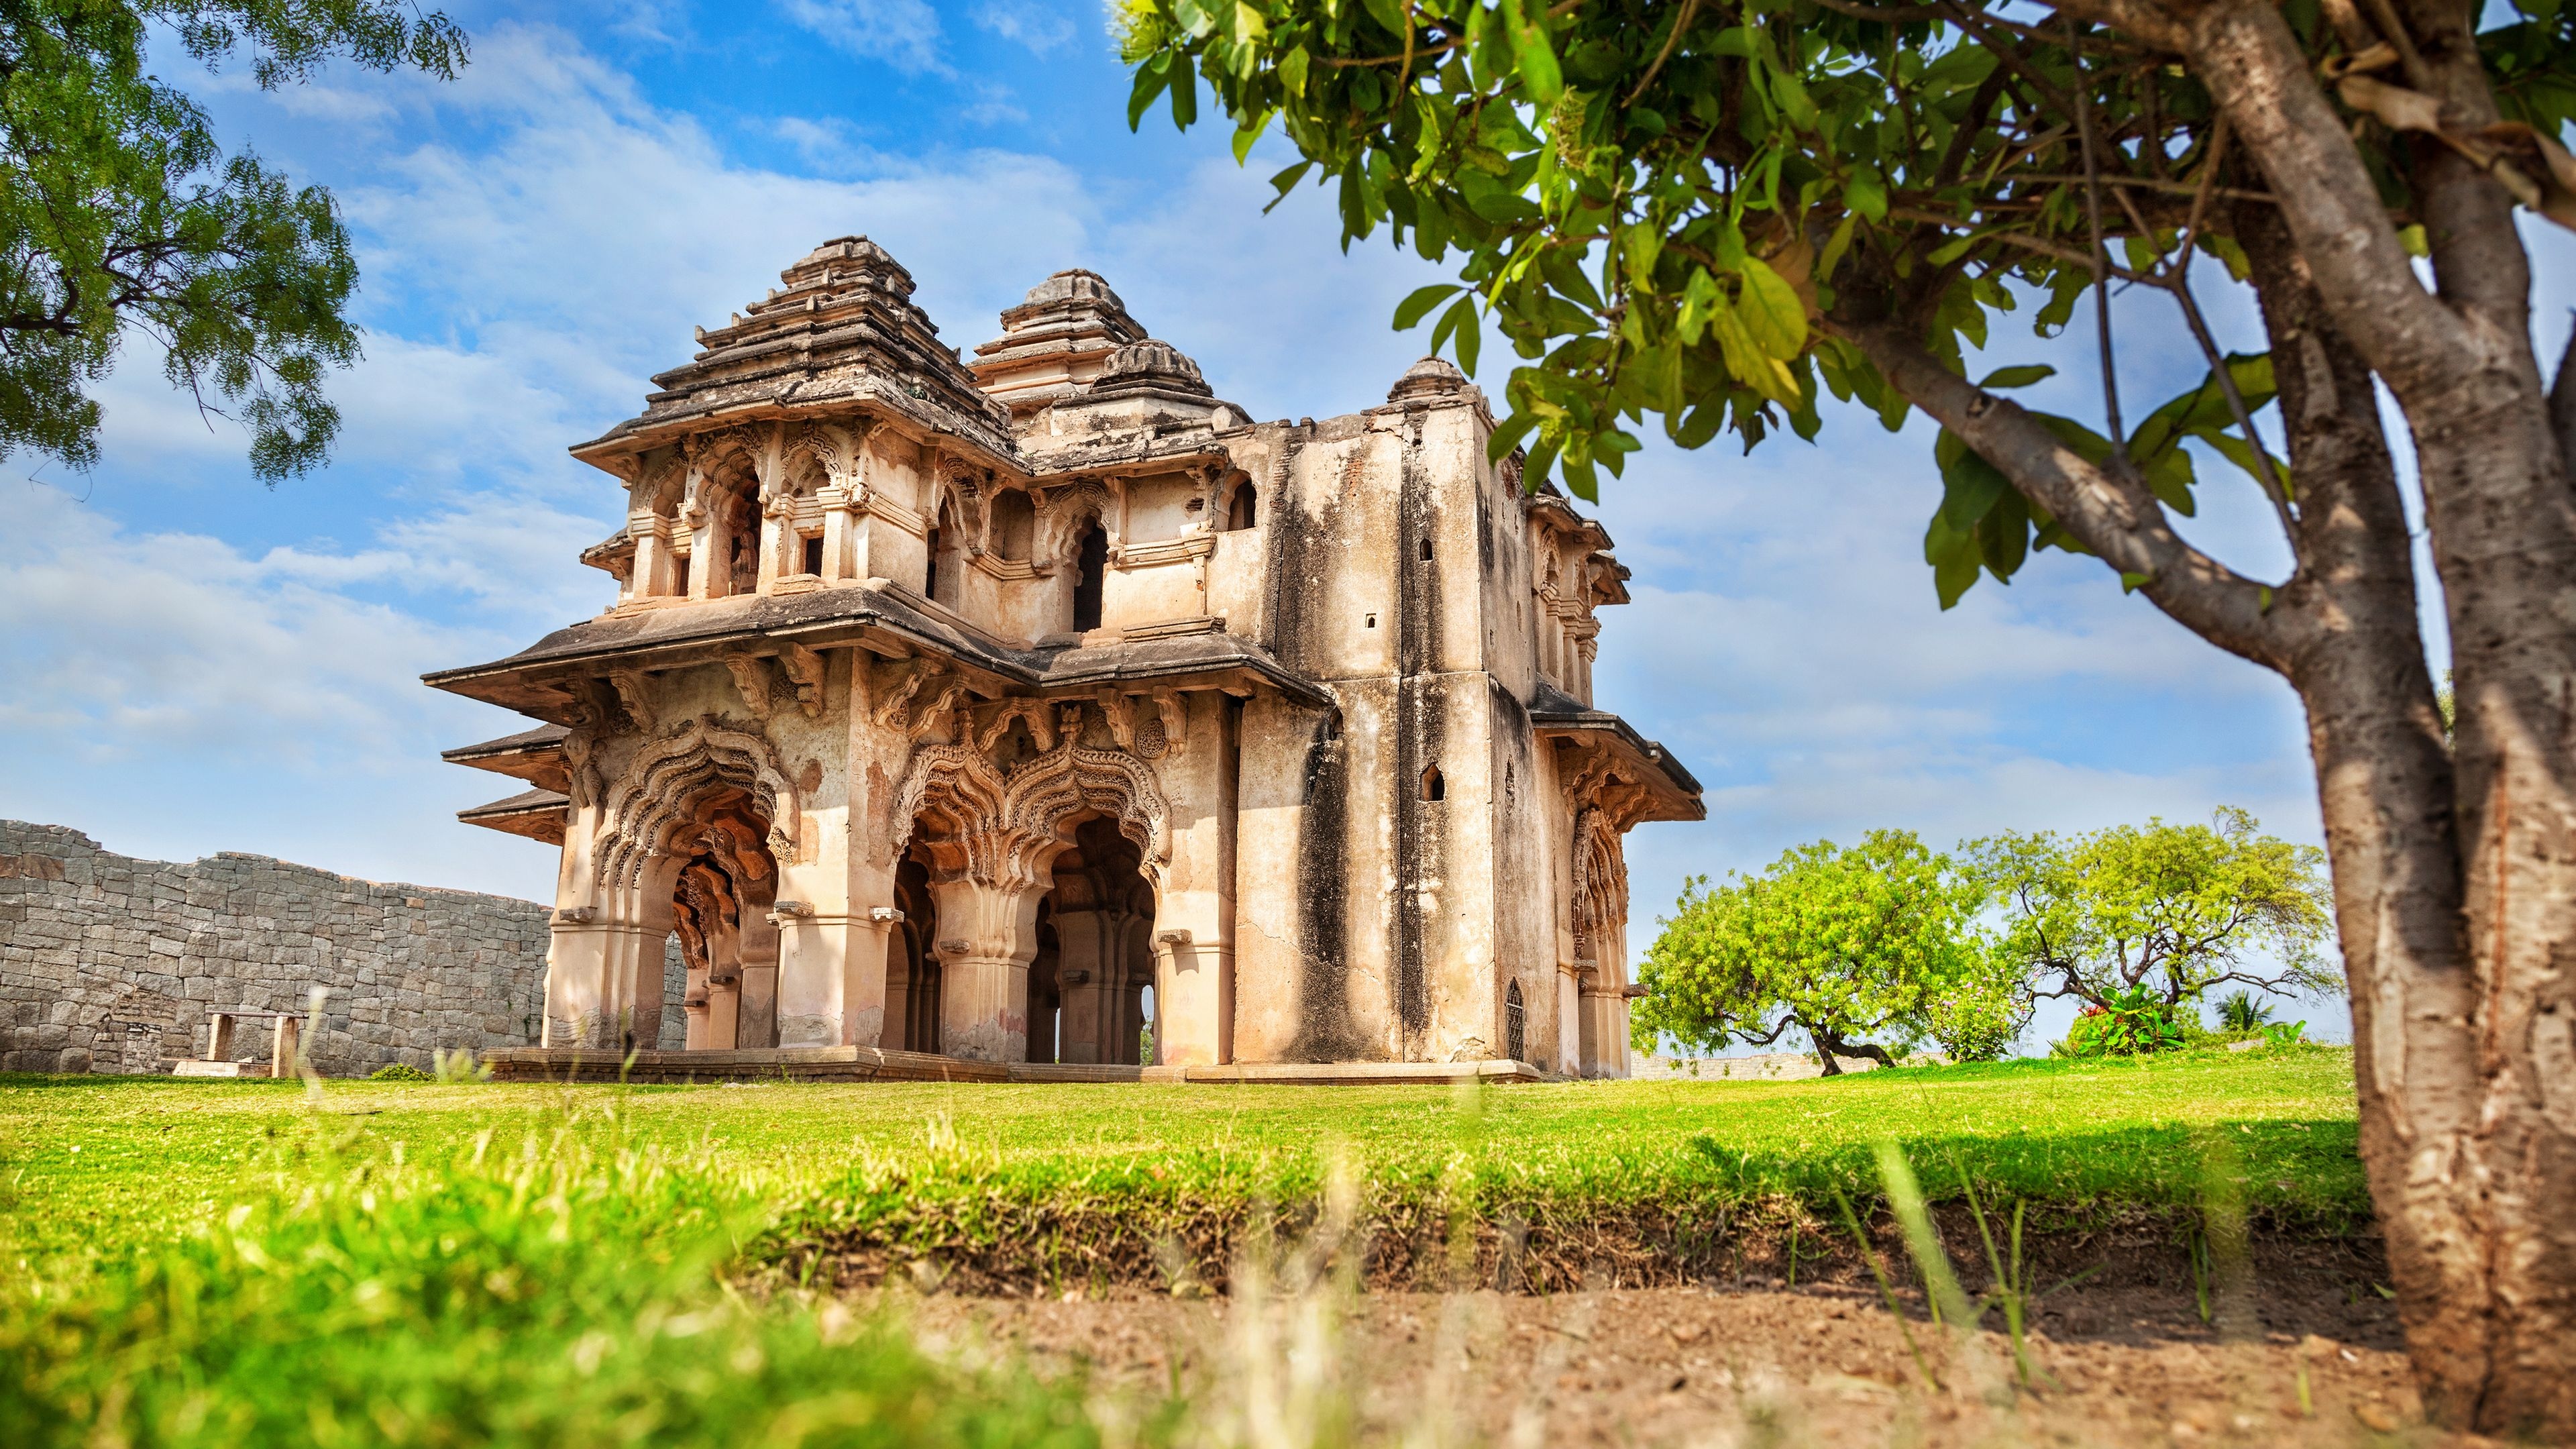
x: 94, y: 944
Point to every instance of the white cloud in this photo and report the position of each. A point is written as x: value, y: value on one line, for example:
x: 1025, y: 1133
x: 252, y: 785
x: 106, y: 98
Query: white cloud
x: 1033, y: 23
x: 904, y: 34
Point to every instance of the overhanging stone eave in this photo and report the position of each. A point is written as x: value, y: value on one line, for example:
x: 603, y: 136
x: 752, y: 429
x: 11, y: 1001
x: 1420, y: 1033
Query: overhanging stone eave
x: 1676, y: 790
x: 536, y: 756
x: 1066, y: 465
x: 534, y: 814
x: 1242, y: 670
x: 541, y: 684
x: 653, y: 431
x: 993, y: 449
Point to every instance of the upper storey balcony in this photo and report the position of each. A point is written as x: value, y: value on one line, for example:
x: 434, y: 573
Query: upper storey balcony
x: 1070, y: 487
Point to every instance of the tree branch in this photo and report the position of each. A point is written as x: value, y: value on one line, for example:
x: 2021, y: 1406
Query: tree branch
x: 2114, y: 516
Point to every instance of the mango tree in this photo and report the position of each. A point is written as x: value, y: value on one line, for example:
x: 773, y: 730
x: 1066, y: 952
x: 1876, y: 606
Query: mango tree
x: 1714, y: 214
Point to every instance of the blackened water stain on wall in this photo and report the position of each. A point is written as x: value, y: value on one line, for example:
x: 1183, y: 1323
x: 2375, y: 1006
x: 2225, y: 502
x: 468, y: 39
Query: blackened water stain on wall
x: 1419, y: 704
x: 1324, y: 1029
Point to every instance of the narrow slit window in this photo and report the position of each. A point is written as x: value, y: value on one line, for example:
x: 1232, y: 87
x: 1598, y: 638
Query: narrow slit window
x: 1433, y: 787
x: 680, y: 576
x: 1091, y: 573
x: 930, y: 571
x: 1426, y: 547
x: 814, y: 554
x: 1372, y: 621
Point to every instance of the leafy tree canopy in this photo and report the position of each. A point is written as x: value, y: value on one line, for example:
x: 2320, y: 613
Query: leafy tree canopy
x: 2171, y: 909
x: 1839, y: 944
x: 119, y: 210
x: 1698, y: 212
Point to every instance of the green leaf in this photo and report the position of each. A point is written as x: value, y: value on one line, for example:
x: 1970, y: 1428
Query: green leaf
x: 2021, y: 376
x: 1865, y: 195
x: 1541, y: 79
x: 1185, y: 100
x: 1460, y: 322
x: 2131, y: 583
x: 1418, y: 305
x: 1773, y: 315
x: 1835, y: 246
x: 1151, y: 77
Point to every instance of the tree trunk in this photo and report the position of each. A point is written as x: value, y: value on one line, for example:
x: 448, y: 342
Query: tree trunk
x: 2489, y: 1135
x: 2384, y: 784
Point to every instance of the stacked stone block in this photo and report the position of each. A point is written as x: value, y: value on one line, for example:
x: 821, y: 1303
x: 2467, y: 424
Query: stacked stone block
x: 108, y: 963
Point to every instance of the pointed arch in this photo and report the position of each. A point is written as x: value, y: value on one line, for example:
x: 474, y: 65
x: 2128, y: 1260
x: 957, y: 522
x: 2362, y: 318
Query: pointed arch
x: 653, y: 795
x: 1068, y: 510
x: 977, y: 823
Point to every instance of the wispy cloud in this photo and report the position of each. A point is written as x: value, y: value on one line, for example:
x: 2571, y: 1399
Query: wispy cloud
x: 1034, y: 23
x: 904, y: 34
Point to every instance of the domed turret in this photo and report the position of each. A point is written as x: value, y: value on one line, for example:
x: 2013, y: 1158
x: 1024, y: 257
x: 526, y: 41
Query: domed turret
x: 1150, y: 366
x: 1430, y: 379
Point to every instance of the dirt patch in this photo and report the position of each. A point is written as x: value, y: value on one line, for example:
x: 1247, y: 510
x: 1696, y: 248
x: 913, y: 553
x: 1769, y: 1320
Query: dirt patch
x: 1002, y: 1246
x: 1824, y: 1365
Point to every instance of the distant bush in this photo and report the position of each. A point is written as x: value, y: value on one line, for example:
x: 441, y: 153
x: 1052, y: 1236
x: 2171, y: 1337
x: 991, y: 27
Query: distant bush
x: 2132, y: 1022
x: 2239, y: 1014
x: 398, y: 1072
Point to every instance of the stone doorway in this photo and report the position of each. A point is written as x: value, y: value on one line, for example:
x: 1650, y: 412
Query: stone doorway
x: 912, y: 964
x: 1089, y: 986
x: 720, y: 906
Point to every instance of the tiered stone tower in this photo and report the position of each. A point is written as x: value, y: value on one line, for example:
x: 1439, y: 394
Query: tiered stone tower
x: 949, y: 707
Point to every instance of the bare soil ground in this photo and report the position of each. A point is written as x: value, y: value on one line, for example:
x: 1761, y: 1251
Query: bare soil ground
x: 2317, y: 1364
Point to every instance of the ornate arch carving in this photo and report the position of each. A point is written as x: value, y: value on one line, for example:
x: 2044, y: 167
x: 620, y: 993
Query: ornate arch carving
x: 1600, y: 883
x: 1004, y: 829
x: 653, y: 793
x: 1060, y: 521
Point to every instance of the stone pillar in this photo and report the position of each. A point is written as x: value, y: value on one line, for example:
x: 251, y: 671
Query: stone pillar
x: 585, y: 989
x: 1569, y: 1020
x: 988, y: 935
x: 832, y: 977
x: 836, y: 531
x: 1193, y: 937
x: 897, y: 979
x: 1088, y: 973
x: 650, y: 577
x: 285, y: 1046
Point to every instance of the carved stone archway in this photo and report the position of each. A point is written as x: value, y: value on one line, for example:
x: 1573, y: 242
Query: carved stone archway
x: 991, y: 832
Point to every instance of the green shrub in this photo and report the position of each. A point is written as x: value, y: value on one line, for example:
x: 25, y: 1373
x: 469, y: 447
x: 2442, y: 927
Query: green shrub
x: 2129, y: 1022
x: 398, y: 1072
x: 2240, y: 1014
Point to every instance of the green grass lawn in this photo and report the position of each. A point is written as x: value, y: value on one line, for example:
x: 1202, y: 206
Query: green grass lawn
x: 375, y: 1263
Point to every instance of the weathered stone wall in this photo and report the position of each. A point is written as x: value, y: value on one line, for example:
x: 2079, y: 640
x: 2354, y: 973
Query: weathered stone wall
x: 93, y: 943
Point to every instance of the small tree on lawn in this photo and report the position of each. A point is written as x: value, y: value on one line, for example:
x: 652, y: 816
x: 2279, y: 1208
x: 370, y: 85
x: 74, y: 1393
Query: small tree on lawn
x: 1839, y: 944
x: 2173, y: 909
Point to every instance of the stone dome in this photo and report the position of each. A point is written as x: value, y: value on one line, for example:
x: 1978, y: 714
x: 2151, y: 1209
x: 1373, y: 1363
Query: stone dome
x: 1432, y: 377
x: 1150, y: 365
x: 1070, y: 285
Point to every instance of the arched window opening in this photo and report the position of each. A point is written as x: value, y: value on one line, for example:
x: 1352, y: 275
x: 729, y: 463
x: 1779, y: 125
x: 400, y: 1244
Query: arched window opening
x: 1246, y: 509
x: 1091, y: 574
x: 1515, y: 1024
x: 1433, y: 787
x: 1015, y: 522
x: 1426, y: 548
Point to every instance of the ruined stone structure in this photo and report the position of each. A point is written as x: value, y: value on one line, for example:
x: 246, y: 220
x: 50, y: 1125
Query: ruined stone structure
x: 110, y: 964
x: 948, y: 705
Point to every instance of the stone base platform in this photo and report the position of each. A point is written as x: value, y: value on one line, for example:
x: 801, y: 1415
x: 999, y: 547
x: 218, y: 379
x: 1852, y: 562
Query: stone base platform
x: 183, y: 1068
x: 871, y: 1064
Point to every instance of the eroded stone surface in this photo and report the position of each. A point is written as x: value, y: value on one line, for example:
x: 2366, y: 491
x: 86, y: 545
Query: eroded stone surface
x: 961, y: 707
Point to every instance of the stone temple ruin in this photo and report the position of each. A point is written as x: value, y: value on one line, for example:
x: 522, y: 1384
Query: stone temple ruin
x: 947, y: 705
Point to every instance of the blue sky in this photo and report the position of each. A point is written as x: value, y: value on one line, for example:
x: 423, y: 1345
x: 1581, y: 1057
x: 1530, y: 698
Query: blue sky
x: 202, y: 664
